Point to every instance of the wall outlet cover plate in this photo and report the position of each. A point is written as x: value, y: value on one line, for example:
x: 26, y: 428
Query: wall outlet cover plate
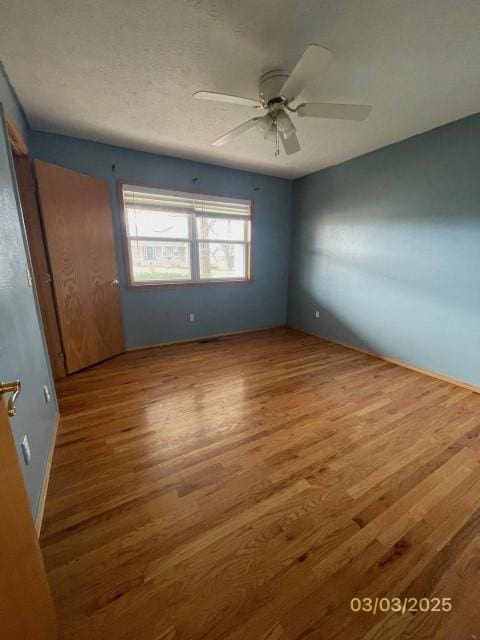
x: 27, y: 455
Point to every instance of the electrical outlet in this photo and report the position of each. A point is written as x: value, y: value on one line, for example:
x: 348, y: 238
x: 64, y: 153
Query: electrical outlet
x: 192, y: 317
x: 46, y: 394
x: 27, y: 455
x: 317, y: 314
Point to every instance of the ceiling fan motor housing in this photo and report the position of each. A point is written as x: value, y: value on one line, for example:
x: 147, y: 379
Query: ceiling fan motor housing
x: 270, y: 85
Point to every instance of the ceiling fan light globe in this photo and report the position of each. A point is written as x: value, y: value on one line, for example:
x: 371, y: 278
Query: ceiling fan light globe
x: 289, y: 132
x: 285, y: 125
x: 270, y: 135
x: 282, y: 120
x: 265, y: 124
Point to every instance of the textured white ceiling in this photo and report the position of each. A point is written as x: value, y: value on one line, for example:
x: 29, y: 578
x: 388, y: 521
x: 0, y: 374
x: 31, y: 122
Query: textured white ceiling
x: 123, y: 71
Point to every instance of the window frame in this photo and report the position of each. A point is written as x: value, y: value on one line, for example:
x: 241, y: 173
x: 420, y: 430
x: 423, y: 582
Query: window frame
x: 193, y: 241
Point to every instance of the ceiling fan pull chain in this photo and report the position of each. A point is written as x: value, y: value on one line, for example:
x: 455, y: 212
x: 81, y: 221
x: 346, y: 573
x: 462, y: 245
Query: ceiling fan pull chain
x: 277, y: 140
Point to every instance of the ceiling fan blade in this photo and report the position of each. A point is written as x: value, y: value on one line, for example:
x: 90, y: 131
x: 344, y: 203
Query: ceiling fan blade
x: 234, y: 133
x: 290, y: 143
x: 224, y: 97
x: 356, y: 112
x: 311, y: 64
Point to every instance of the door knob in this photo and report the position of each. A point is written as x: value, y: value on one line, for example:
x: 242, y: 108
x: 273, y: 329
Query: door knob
x: 114, y: 282
x: 14, y: 387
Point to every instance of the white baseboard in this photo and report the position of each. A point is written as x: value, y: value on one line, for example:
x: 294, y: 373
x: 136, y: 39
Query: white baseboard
x: 206, y: 337
x: 432, y: 374
x: 46, y: 478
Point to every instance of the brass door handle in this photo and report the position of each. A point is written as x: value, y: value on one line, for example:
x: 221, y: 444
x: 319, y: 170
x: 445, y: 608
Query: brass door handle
x: 14, y: 387
x: 115, y: 282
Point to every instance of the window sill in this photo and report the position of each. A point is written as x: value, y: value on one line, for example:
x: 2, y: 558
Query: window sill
x: 185, y: 283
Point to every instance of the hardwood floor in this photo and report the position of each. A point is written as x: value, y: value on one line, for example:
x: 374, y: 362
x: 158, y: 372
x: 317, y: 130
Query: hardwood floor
x: 249, y: 488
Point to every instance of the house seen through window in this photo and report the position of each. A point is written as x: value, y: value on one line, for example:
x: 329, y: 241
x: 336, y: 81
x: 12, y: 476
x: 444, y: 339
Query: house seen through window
x: 179, y: 237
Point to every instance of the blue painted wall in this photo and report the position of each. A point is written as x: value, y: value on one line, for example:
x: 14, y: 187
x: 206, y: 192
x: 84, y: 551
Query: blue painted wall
x: 387, y: 248
x: 155, y: 316
x: 22, y: 346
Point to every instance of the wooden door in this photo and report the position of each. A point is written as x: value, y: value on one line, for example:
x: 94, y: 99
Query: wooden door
x: 78, y: 229
x: 26, y: 609
x: 38, y: 255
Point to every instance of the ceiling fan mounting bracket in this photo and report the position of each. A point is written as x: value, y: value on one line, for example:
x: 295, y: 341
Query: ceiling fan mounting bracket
x: 270, y: 85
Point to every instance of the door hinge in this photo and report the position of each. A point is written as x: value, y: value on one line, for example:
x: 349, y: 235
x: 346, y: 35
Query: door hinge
x: 48, y: 278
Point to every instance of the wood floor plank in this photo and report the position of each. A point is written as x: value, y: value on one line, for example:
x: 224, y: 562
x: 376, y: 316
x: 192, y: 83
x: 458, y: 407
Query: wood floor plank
x: 249, y: 487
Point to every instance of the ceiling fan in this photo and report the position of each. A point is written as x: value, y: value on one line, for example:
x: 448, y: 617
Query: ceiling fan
x: 277, y: 90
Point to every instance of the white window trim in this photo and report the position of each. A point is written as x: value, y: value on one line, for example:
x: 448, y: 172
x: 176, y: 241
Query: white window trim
x: 193, y: 241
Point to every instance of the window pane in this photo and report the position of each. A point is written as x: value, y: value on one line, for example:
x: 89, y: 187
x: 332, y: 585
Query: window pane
x: 142, y: 222
x: 222, y: 260
x: 160, y: 260
x: 222, y: 229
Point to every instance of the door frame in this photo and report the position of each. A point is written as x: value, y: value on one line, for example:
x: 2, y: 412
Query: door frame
x: 39, y: 258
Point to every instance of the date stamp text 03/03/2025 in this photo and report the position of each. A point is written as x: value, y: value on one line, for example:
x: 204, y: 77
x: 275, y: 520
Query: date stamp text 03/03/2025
x: 401, y: 605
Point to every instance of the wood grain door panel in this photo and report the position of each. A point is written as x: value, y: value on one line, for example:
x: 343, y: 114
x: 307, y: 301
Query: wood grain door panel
x: 79, y: 233
x: 41, y: 268
x: 26, y: 609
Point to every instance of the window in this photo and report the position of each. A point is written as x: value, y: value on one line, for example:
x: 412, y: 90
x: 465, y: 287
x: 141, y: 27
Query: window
x: 177, y: 237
